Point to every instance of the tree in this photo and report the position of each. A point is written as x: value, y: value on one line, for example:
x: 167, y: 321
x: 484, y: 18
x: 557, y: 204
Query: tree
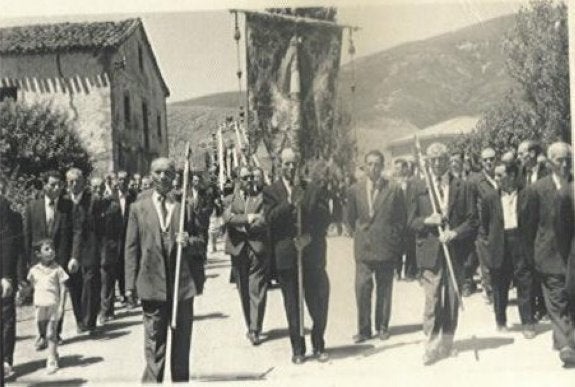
x: 35, y: 139
x: 537, y: 107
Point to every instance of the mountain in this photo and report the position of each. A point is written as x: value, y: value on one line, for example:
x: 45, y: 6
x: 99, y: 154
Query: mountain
x: 398, y: 90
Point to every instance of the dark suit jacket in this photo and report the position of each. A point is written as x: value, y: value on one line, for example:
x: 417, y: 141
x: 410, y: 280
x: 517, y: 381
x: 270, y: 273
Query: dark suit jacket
x: 89, y: 222
x: 461, y: 217
x: 281, y: 218
x: 523, y: 174
x: 239, y: 231
x: 130, y: 198
x: 8, y: 240
x: 113, y: 231
x: 145, y: 263
x: 492, y: 228
x: 551, y: 225
x: 570, y: 280
x: 378, y: 238
x: 35, y: 228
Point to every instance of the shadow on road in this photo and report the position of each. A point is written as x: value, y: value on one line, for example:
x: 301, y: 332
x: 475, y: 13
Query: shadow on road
x: 232, y: 377
x: 211, y: 316
x: 539, y: 328
x: 24, y: 338
x: 276, y: 334
x: 100, y: 336
x: 65, y: 362
x: 482, y: 343
x: 115, y: 325
x: 57, y: 383
x: 384, y: 348
x: 212, y: 276
x: 405, y: 329
x: 346, y: 351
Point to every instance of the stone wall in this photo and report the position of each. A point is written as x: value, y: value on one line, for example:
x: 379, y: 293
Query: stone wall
x: 88, y: 107
x: 140, y: 85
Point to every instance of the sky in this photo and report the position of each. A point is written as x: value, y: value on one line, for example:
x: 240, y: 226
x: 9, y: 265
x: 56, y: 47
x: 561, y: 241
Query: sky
x: 194, y: 44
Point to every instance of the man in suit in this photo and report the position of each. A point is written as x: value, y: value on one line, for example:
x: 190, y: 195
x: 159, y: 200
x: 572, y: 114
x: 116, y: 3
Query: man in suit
x: 281, y: 200
x: 484, y: 184
x: 124, y: 197
x: 50, y: 217
x: 376, y: 216
x: 457, y: 215
x: 456, y: 160
x: 151, y: 247
x: 84, y: 266
x: 502, y: 229
x: 552, y: 225
x: 114, y: 222
x: 570, y: 278
x: 9, y: 229
x: 530, y: 172
x: 403, y: 177
x: 246, y: 243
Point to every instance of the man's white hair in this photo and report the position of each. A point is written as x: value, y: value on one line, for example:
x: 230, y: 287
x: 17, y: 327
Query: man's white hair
x: 558, y: 147
x: 74, y: 172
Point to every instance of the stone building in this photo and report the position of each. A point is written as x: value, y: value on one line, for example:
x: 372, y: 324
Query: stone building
x: 104, y: 74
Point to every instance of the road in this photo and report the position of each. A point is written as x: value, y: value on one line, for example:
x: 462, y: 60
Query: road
x: 222, y: 354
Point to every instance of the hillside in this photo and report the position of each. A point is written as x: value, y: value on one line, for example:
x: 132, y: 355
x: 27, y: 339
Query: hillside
x: 399, y: 90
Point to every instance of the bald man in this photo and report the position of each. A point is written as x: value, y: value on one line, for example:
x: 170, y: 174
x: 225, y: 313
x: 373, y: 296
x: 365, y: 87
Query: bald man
x: 552, y: 225
x: 150, y: 257
x: 84, y: 265
x: 280, y: 202
x: 458, y: 217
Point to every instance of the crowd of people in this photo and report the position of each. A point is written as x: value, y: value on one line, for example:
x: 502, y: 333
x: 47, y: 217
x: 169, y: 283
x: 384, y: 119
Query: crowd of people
x: 114, y: 239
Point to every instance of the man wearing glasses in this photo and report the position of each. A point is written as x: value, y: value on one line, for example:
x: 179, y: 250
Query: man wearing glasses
x: 246, y: 243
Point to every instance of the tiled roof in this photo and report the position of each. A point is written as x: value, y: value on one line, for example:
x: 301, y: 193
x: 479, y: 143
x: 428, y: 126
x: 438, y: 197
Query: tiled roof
x: 43, y: 38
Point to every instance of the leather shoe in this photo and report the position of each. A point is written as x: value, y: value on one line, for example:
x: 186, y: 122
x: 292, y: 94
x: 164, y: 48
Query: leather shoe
x: 41, y: 344
x: 502, y: 328
x: 297, y: 359
x: 321, y: 355
x: 254, y: 338
x: 357, y: 339
x: 383, y: 335
x: 567, y: 355
x: 529, y: 332
x: 430, y: 358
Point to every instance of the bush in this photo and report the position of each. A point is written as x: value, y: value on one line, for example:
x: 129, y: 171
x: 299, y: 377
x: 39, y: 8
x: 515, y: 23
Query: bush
x: 35, y: 139
x: 538, y: 106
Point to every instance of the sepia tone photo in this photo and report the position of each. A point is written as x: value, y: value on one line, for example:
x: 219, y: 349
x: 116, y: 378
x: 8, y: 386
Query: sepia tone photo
x: 287, y: 193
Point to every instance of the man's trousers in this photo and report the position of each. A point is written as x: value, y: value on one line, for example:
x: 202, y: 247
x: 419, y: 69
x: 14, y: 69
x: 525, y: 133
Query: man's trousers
x: 157, y: 316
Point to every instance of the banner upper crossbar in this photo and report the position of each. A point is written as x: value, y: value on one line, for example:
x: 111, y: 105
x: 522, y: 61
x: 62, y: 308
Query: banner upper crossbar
x: 297, y: 19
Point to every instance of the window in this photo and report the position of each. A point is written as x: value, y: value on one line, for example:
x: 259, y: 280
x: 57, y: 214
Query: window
x: 146, y: 127
x: 127, y: 111
x: 141, y: 58
x: 159, y: 126
x: 8, y: 92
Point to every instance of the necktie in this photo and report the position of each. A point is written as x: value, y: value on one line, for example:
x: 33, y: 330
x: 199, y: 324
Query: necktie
x: 163, y: 209
x: 51, y: 216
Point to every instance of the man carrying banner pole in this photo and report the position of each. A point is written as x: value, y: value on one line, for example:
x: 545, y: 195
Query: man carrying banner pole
x: 442, y: 214
x: 282, y: 202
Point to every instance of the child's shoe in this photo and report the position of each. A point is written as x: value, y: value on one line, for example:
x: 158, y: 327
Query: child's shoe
x: 51, y: 366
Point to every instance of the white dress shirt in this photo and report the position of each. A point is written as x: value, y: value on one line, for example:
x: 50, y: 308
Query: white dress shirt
x: 164, y: 223
x: 443, y: 187
x: 509, y: 205
x: 288, y: 186
x: 50, y: 209
x: 122, y: 199
x: 77, y: 198
x: 371, y: 196
x: 557, y: 181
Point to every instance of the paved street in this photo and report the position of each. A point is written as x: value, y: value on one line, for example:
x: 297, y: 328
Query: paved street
x: 221, y: 353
